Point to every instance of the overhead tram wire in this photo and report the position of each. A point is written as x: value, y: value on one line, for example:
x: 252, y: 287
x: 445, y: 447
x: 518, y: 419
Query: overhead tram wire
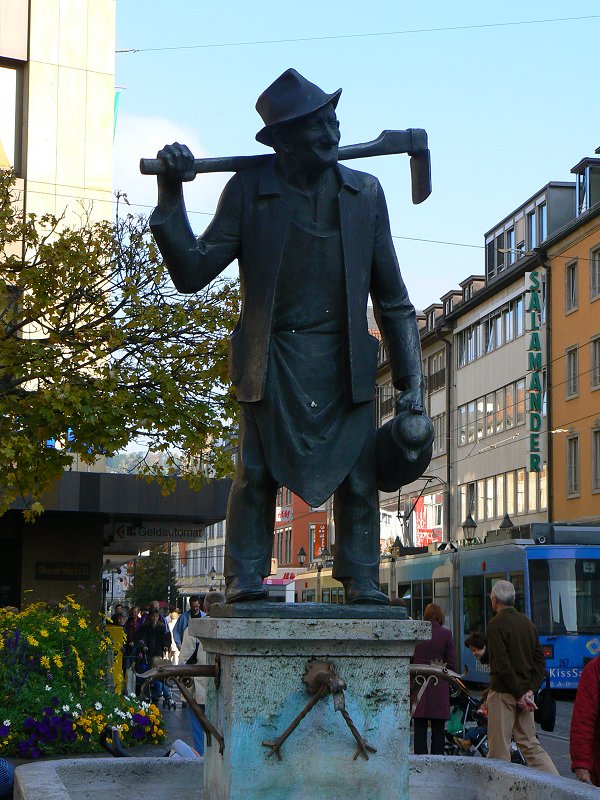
x: 407, y: 32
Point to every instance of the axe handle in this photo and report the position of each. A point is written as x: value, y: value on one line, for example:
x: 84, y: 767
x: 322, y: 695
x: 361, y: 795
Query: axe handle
x: 413, y: 140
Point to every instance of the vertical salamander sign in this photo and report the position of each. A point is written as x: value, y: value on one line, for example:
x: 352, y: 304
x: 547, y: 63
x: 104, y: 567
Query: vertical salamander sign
x: 534, y: 369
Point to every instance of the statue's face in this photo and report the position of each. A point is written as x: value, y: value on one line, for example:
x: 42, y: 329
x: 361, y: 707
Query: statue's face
x: 313, y: 141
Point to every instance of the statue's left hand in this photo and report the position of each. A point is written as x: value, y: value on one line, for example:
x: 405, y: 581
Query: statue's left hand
x: 411, y: 397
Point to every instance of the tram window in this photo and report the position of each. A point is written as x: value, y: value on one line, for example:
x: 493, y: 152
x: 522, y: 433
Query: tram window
x: 565, y: 595
x: 473, y: 603
x: 416, y: 610
x: 404, y: 594
x: 441, y: 597
x: 427, y: 593
x: 518, y: 581
x: 326, y: 594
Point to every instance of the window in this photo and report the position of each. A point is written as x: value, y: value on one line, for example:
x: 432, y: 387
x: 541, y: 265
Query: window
x: 500, y: 495
x: 571, y: 287
x: 531, y: 231
x: 439, y: 428
x: 10, y: 102
x: 489, y: 498
x: 519, y: 306
x: 595, y: 274
x: 480, y: 500
x: 532, y: 493
x: 543, y: 221
x: 490, y: 413
x: 480, y: 422
x: 520, y: 491
x: 509, y: 403
x: 520, y: 402
x: 500, y: 252
x: 510, y: 493
x: 437, y: 371
x: 473, y: 603
x: 572, y: 371
x: 462, y: 425
x: 573, y: 465
x: 596, y: 460
x: 471, y: 422
x: 510, y: 246
x: 595, y: 362
x: 499, y: 410
x: 543, y: 474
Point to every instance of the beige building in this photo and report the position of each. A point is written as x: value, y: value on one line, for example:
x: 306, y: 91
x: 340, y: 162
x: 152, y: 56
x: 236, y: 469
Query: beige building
x: 57, y: 99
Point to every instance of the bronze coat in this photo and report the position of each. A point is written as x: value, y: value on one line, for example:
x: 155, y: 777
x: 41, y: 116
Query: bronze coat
x: 250, y: 224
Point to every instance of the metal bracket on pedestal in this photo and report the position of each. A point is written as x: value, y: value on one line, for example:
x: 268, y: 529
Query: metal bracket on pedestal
x: 320, y: 677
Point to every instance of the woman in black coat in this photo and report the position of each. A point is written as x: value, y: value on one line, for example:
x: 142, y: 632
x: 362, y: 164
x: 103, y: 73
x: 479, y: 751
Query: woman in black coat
x: 434, y: 706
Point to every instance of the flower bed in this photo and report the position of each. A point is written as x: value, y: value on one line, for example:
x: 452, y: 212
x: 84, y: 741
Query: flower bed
x: 53, y: 695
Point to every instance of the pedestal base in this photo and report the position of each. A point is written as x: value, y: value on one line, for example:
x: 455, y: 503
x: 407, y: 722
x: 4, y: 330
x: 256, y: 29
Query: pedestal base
x: 262, y: 663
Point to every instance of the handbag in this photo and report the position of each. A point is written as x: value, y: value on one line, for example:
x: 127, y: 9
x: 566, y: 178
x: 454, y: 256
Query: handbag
x: 545, y: 713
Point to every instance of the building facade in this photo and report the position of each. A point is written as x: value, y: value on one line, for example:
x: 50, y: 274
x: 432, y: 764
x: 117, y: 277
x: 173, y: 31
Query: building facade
x: 573, y: 262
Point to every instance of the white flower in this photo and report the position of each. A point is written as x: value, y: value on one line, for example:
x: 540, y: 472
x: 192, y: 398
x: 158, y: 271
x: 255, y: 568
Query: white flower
x: 66, y: 708
x: 48, y: 688
x: 6, y: 723
x: 98, y: 706
x: 75, y: 715
x: 78, y: 705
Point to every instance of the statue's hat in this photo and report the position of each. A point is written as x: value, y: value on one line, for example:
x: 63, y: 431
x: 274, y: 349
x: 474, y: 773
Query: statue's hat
x: 288, y: 98
x: 403, y: 448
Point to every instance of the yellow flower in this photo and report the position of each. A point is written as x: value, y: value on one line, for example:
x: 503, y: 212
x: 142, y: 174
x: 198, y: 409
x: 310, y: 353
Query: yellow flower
x: 76, y: 606
x: 58, y: 661
x: 44, y: 633
x: 45, y: 662
x: 82, y: 623
x: 33, y: 642
x: 63, y: 621
x: 125, y: 726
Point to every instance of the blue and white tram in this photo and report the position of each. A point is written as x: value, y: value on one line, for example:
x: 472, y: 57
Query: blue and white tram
x: 556, y: 574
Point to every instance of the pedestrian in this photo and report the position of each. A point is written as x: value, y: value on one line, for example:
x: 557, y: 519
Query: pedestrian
x: 191, y: 648
x: 152, y: 641
x: 477, y: 644
x: 433, y: 708
x: 585, y: 725
x: 194, y: 612
x: 517, y: 668
x: 118, y: 609
x: 312, y: 240
x: 173, y: 650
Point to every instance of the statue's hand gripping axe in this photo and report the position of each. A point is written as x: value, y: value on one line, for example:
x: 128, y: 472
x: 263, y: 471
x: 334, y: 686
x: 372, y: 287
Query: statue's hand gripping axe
x: 412, y: 141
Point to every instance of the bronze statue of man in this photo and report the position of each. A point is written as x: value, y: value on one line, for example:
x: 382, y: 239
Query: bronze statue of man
x: 313, y: 241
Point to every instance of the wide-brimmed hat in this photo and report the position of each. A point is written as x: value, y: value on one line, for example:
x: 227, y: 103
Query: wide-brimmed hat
x: 288, y: 98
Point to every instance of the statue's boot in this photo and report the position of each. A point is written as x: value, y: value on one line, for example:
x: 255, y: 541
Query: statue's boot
x: 244, y: 588
x: 364, y: 591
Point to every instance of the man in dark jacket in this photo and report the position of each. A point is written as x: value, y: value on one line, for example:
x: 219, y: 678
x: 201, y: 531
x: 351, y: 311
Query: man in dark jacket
x: 313, y: 241
x: 517, y: 667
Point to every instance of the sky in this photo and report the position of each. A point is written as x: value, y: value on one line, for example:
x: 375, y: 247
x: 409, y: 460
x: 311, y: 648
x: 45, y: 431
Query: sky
x: 507, y: 92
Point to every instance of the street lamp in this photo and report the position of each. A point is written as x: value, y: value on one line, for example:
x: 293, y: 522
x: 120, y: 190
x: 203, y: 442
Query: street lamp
x: 469, y: 527
x: 301, y: 556
x: 396, y: 548
x: 506, y: 523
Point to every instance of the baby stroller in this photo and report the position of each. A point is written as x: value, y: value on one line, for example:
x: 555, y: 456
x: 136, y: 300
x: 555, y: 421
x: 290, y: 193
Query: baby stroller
x: 466, y: 730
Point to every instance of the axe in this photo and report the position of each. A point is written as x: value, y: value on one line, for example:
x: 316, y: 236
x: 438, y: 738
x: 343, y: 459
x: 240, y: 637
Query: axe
x: 412, y: 141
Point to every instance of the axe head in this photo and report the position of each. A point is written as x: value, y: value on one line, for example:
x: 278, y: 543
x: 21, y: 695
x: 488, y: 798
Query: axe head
x: 420, y: 171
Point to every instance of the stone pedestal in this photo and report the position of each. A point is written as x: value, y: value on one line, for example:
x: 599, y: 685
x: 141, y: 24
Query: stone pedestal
x: 262, y: 662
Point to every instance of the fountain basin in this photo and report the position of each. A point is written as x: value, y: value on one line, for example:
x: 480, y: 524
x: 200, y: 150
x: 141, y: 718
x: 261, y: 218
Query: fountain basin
x: 430, y: 778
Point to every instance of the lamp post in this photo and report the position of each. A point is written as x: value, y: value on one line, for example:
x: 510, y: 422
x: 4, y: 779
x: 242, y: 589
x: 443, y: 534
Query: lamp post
x: 506, y: 523
x: 469, y: 527
x: 301, y: 556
